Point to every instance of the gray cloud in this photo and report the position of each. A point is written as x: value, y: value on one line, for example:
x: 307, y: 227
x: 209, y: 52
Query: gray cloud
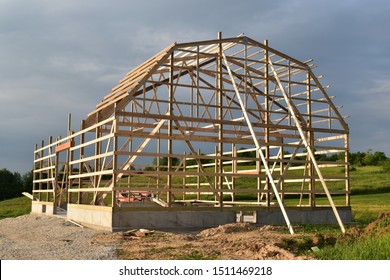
x: 64, y: 56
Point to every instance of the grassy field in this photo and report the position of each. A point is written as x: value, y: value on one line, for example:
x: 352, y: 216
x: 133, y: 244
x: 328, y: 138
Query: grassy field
x: 370, y: 197
x: 15, y: 207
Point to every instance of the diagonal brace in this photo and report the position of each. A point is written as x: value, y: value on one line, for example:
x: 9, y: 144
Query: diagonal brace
x: 258, y: 147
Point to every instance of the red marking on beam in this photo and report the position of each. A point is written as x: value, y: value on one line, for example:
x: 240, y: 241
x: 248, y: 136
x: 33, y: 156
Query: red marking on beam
x: 63, y: 147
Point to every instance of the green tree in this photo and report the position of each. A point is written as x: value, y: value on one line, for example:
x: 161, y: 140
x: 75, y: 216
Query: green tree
x: 163, y: 163
x: 11, y: 184
x: 385, y: 164
x: 27, y: 180
x: 357, y: 158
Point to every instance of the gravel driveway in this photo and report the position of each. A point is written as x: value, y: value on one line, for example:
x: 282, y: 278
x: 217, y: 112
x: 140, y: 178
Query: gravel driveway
x: 39, y: 237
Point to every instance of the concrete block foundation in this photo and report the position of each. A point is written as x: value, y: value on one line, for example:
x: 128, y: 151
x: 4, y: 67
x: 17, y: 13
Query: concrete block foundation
x: 301, y: 215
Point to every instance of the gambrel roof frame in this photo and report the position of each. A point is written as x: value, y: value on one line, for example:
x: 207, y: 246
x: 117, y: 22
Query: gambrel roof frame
x: 223, y: 124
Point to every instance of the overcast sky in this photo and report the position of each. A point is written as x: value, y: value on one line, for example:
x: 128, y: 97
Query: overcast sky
x: 60, y: 57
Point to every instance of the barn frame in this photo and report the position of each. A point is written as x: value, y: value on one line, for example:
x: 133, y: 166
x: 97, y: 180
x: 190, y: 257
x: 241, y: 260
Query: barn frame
x: 198, y: 133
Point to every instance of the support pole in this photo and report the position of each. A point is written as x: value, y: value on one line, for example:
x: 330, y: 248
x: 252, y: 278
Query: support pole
x: 309, y: 148
x: 346, y: 161
x: 259, y: 149
x: 170, y: 129
x: 310, y: 138
x: 266, y: 117
x: 219, y: 117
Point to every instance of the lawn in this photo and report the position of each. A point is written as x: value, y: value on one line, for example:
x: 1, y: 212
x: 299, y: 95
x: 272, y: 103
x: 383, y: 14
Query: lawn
x: 15, y: 207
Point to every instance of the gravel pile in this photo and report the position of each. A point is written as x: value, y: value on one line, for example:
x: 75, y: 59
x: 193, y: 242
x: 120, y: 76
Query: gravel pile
x: 39, y: 237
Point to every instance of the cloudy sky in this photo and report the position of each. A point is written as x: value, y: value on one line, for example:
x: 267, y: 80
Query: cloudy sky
x: 60, y: 57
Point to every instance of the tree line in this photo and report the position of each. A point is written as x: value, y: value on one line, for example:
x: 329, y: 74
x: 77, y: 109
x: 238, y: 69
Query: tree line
x: 12, y: 184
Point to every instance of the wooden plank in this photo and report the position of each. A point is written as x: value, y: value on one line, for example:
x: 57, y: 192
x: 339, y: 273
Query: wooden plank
x: 90, y: 174
x: 100, y: 189
x: 91, y: 142
x: 86, y: 159
x: 44, y: 180
x: 63, y: 147
x: 30, y: 196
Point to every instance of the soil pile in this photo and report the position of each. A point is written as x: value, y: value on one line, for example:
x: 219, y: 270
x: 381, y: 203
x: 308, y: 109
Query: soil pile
x: 240, y: 241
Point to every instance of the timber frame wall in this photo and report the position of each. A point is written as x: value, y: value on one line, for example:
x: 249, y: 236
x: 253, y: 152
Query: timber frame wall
x: 225, y: 123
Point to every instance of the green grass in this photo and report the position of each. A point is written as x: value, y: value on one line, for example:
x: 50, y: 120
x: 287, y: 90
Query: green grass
x: 369, y: 179
x: 366, y: 208
x: 15, y: 207
x: 372, y: 248
x: 369, y: 243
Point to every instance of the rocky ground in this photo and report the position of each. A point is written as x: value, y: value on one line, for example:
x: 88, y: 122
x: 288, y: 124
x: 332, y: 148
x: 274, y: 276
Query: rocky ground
x: 38, y: 237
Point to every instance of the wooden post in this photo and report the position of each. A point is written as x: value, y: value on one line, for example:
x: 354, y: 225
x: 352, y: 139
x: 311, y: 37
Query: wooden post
x: 310, y: 139
x: 170, y: 129
x: 258, y: 169
x: 69, y: 183
x: 114, y: 165
x: 266, y: 119
x: 234, y: 170
x: 68, y: 168
x: 97, y: 152
x: 35, y: 187
x: 216, y: 178
x: 281, y: 164
x: 184, y: 177
x: 41, y: 172
x: 131, y: 145
x: 56, y: 189
x: 158, y: 163
x: 346, y: 161
x: 198, y: 169
x: 81, y: 167
x: 219, y: 117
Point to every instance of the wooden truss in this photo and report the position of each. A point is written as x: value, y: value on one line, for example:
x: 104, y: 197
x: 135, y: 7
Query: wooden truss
x: 225, y: 123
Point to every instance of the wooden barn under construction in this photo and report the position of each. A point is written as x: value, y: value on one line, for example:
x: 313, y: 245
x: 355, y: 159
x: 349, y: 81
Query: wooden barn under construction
x: 197, y: 134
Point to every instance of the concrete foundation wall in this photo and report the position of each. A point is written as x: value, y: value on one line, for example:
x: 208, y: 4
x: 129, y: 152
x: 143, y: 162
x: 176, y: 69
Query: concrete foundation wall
x: 110, y: 219
x: 99, y: 217
x: 318, y: 215
x: 172, y: 219
x: 105, y: 218
x: 42, y: 207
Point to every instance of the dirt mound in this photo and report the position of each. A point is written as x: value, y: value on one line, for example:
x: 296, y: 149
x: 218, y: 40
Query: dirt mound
x: 241, y: 241
x: 228, y: 228
x: 380, y: 226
